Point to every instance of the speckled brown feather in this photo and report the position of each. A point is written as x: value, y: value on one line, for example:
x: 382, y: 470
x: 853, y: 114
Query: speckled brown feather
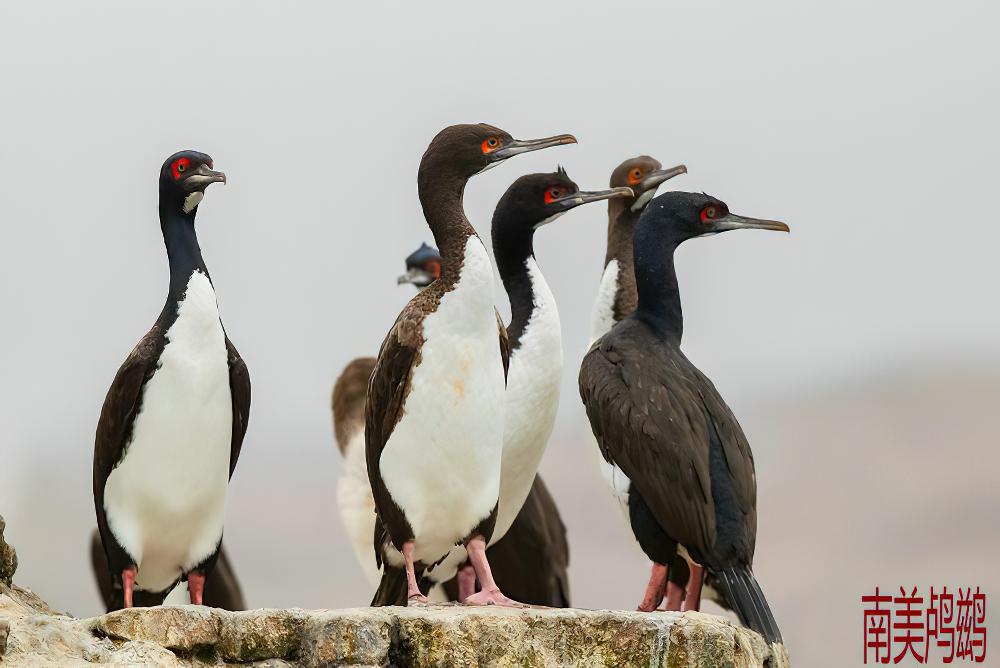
x: 387, y: 392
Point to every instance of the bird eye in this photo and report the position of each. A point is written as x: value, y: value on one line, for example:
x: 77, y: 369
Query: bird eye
x: 178, y: 167
x: 709, y: 213
x: 552, y: 194
x: 635, y: 176
x: 491, y: 144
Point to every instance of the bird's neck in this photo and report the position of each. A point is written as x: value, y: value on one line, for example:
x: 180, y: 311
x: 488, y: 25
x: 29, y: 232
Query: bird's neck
x: 441, y: 197
x: 512, y: 252
x: 183, y: 251
x: 659, y: 302
x: 621, y: 230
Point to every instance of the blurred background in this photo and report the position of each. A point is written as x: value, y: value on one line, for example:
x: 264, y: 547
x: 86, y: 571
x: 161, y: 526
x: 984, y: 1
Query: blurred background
x: 861, y: 353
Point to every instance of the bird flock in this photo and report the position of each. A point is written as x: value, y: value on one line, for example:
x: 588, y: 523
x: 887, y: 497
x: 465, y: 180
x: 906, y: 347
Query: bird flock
x: 443, y: 431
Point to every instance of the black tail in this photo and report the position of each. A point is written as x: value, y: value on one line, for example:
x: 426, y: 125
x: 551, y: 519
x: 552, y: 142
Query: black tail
x: 739, y: 587
x: 392, y: 587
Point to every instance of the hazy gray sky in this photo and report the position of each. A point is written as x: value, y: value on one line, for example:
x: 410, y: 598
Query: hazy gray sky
x: 869, y: 127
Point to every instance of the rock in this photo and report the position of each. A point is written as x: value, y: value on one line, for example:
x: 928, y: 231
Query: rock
x: 8, y: 558
x: 445, y: 635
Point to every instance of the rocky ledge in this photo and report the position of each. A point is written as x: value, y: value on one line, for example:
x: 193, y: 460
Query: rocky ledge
x: 426, y: 636
x: 32, y: 634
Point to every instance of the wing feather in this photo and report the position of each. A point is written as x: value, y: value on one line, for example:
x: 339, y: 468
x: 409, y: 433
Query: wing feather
x: 239, y: 388
x: 649, y: 425
x: 387, y: 390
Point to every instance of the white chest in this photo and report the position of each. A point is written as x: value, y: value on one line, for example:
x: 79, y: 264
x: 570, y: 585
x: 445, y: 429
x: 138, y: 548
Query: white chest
x: 356, y: 505
x: 532, y: 400
x: 442, y: 462
x: 165, y: 501
x: 602, y: 318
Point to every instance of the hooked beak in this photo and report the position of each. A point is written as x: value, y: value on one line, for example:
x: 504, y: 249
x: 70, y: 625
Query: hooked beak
x: 416, y: 276
x: 202, y: 177
x: 655, y: 178
x: 525, y: 145
x: 646, y: 189
x: 733, y: 222
x: 581, y: 197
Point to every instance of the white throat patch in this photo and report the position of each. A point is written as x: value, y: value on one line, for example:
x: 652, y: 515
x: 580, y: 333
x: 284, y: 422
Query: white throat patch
x: 549, y: 219
x: 193, y: 200
x: 643, y: 199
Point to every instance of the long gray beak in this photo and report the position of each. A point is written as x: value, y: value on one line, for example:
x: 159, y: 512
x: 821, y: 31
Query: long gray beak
x: 655, y: 178
x: 416, y: 276
x: 733, y: 222
x: 202, y: 177
x: 583, y: 197
x: 525, y: 145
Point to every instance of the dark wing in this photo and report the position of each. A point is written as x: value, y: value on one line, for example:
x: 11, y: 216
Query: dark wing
x: 734, y: 480
x: 239, y: 388
x: 114, y: 428
x: 121, y: 405
x: 99, y: 565
x: 387, y: 390
x: 652, y: 424
x: 504, y: 345
x: 223, y: 590
x: 556, y: 545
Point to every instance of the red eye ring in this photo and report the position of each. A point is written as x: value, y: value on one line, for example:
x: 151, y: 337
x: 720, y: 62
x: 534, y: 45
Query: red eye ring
x: 491, y: 144
x: 709, y: 213
x: 553, y: 194
x: 634, y: 176
x: 178, y: 167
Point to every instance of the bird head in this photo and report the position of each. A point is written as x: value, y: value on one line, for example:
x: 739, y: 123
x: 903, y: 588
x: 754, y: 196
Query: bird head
x: 471, y: 149
x: 423, y: 267
x: 679, y: 216
x: 537, y: 199
x: 643, y: 175
x: 184, y: 177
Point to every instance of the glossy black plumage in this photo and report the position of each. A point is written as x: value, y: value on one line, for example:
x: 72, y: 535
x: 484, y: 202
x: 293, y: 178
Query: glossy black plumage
x: 662, y: 421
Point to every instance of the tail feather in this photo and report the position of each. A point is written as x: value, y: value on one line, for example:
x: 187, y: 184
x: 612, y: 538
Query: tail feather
x: 391, y: 588
x: 740, y: 589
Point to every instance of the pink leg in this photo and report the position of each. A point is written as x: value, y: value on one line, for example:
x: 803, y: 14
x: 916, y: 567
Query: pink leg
x: 413, y: 594
x: 654, y: 590
x: 128, y: 584
x: 196, y: 587
x: 675, y: 595
x: 693, y: 599
x: 466, y: 582
x: 490, y: 593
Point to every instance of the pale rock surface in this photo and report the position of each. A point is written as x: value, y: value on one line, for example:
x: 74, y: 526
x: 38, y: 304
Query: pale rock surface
x: 32, y: 634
